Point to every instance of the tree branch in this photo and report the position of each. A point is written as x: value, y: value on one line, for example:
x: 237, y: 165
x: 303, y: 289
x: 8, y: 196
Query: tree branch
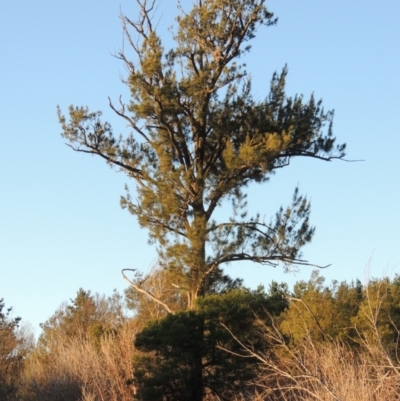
x: 135, y: 173
x: 148, y: 293
x: 122, y: 114
x: 272, y: 260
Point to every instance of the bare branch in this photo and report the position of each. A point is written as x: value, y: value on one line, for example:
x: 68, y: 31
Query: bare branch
x: 143, y: 291
x: 266, y: 260
x: 311, y: 313
x: 132, y: 171
x: 304, y: 372
x: 132, y: 124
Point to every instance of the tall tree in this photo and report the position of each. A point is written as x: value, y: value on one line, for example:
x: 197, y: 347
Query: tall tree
x: 199, y: 139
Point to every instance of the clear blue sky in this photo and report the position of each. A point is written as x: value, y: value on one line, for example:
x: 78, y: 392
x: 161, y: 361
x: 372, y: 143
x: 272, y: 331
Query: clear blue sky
x: 61, y: 226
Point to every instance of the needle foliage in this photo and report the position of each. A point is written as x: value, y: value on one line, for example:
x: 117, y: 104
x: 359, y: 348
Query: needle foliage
x: 198, y: 139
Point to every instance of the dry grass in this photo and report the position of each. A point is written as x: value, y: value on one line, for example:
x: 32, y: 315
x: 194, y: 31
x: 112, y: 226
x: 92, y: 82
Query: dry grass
x: 310, y: 370
x: 77, y: 371
x: 328, y: 370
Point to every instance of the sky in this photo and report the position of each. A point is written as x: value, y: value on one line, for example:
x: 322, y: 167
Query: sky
x: 61, y: 226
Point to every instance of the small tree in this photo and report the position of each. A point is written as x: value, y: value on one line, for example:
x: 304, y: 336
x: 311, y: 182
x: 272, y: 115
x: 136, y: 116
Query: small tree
x: 199, y: 138
x: 191, y: 355
x: 87, y: 317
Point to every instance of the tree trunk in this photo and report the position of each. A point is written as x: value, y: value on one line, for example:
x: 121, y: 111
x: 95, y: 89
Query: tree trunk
x: 197, y: 390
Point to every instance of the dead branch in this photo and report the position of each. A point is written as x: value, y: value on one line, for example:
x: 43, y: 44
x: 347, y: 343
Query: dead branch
x: 143, y: 291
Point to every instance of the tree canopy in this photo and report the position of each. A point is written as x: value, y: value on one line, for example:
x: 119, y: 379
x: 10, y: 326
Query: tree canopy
x: 199, y: 138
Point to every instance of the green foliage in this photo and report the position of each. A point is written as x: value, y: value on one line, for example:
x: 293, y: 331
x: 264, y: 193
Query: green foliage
x: 310, y: 311
x: 199, y: 138
x: 175, y: 372
x: 348, y: 298
x: 192, y: 353
x: 344, y: 312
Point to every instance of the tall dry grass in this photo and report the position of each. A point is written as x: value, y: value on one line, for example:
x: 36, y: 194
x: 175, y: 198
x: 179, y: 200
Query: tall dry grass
x: 329, y: 370
x: 76, y: 370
